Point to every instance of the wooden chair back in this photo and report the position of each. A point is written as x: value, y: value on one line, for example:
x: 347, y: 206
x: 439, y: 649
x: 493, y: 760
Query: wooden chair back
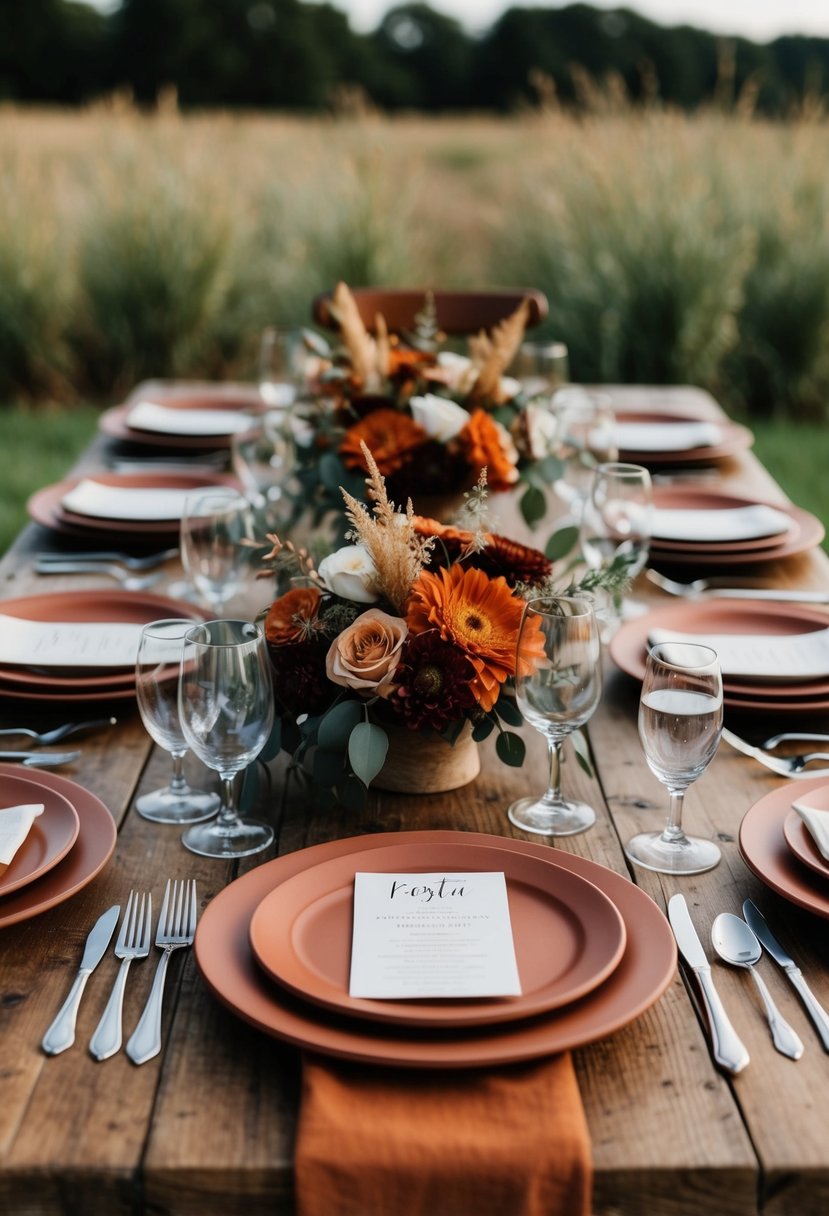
x: 458, y: 312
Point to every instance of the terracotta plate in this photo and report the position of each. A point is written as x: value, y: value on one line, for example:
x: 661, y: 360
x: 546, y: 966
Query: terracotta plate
x: 765, y: 851
x: 229, y: 968
x: 51, y: 836
x: 807, y: 534
x: 734, y: 438
x: 671, y: 499
x: 45, y: 506
x: 568, y: 935
x: 800, y: 841
x: 180, y: 395
x: 90, y: 853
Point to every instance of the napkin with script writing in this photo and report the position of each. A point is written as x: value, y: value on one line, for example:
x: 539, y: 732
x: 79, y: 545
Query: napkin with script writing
x: 166, y: 420
x: 140, y: 503
x: 372, y: 1141
x: 15, y: 825
x: 783, y: 657
x: 816, y: 821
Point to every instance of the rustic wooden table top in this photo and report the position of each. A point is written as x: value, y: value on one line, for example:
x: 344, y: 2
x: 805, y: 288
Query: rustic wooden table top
x: 208, y: 1126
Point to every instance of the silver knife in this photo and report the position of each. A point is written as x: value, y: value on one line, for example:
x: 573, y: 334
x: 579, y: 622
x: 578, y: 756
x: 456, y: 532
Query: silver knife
x: 757, y: 922
x: 61, y: 1034
x: 41, y: 759
x: 726, y: 1046
x: 784, y: 595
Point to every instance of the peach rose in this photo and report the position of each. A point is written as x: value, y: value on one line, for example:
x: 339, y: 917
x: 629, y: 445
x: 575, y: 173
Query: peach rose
x: 365, y: 655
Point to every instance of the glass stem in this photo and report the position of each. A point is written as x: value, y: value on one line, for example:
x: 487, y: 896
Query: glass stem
x: 673, y: 832
x: 554, y: 783
x: 177, y: 782
x: 228, y: 814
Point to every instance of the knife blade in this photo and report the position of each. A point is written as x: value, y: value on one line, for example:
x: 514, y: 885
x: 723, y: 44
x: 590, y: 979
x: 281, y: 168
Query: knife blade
x: 40, y: 759
x: 757, y: 922
x: 726, y: 1046
x: 61, y: 1034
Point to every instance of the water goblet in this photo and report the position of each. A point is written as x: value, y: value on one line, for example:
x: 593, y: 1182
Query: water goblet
x: 557, y: 695
x: 586, y: 427
x: 680, y: 723
x: 283, y: 362
x: 541, y: 367
x: 157, y: 669
x: 616, y: 524
x: 216, y: 531
x: 263, y: 460
x: 226, y: 708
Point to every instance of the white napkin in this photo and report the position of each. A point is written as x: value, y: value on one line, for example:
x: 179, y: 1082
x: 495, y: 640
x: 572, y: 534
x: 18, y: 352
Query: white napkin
x: 166, y: 420
x: 666, y: 436
x: 15, y: 825
x: 74, y: 644
x: 738, y: 523
x: 787, y: 657
x: 817, y: 825
x: 141, y: 504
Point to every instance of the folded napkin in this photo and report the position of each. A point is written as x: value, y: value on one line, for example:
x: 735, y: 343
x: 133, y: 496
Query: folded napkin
x: 371, y: 1142
x: 15, y: 825
x: 83, y: 644
x: 817, y: 825
x: 786, y: 657
x: 167, y: 420
x: 666, y: 436
x: 139, y: 503
x: 739, y: 523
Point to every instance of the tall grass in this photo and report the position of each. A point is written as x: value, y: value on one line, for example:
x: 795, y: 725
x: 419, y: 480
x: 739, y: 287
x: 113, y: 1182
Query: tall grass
x: 672, y: 247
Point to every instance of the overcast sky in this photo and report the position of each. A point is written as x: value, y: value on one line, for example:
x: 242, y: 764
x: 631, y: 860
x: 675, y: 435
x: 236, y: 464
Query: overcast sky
x: 760, y: 20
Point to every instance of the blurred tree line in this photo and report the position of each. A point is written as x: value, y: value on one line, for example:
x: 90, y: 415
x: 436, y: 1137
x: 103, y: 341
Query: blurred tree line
x: 290, y: 54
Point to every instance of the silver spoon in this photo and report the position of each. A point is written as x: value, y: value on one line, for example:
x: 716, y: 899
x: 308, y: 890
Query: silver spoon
x: 735, y: 942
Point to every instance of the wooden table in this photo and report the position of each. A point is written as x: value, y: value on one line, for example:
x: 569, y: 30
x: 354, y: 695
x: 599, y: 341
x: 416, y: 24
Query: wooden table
x: 208, y: 1126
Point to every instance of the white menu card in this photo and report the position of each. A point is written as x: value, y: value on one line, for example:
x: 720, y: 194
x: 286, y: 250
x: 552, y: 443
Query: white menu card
x: 795, y: 656
x: 68, y: 644
x: 442, y: 934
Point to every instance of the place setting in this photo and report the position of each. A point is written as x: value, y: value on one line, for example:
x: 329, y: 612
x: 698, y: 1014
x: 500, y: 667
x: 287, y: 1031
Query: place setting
x: 184, y: 415
x: 657, y: 439
x: 784, y: 840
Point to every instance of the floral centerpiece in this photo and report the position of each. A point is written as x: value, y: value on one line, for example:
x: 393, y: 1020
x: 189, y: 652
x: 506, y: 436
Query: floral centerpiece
x: 412, y: 626
x: 433, y: 419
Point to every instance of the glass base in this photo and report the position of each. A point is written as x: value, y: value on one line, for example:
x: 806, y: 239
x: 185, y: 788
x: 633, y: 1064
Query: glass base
x: 562, y: 818
x: 239, y: 839
x: 685, y: 855
x: 182, y: 806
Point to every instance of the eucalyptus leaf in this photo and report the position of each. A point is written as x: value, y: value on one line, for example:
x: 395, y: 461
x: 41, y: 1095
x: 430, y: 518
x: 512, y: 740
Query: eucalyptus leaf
x: 533, y: 505
x: 508, y: 711
x: 249, y: 788
x: 332, y: 472
x: 367, y: 748
x: 452, y: 731
x: 582, y: 750
x: 561, y: 542
x: 273, y: 743
x: 338, y: 723
x: 483, y: 729
x: 328, y: 766
x: 352, y: 793
x: 510, y: 748
x: 550, y: 469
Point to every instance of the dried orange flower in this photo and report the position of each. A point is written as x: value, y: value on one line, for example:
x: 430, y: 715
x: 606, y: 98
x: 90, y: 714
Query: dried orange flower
x: 291, y: 618
x: 486, y: 444
x: 390, y: 436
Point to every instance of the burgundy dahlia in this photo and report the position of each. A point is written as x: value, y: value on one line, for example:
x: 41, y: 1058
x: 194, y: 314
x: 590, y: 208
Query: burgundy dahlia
x: 434, y: 682
x: 299, y: 679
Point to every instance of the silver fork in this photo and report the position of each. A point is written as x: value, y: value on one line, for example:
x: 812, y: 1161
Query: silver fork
x: 176, y: 928
x: 805, y: 736
x: 133, y: 942
x: 735, y: 588
x: 147, y: 562
x: 786, y: 766
x: 44, y: 738
x: 128, y: 581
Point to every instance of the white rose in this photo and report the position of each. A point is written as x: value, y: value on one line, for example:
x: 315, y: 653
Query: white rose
x: 350, y: 573
x: 440, y: 419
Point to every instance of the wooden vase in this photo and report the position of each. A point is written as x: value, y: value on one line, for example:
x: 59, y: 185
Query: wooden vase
x: 426, y: 764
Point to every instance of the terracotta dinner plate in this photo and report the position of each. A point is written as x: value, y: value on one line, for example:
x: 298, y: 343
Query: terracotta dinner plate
x: 51, y: 835
x: 568, y: 935
x: 799, y: 839
x: 226, y: 961
x: 765, y: 851
x: 667, y: 498
x: 84, y: 861
x: 179, y: 395
x: 734, y: 438
x: 45, y: 506
x: 807, y: 534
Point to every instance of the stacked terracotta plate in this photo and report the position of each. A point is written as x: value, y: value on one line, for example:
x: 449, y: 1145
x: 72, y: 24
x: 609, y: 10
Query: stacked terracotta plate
x: 103, y: 505
x: 68, y: 844
x: 658, y: 439
x: 593, y: 953
x: 730, y: 530
x: 186, y: 415
x: 776, y: 845
x: 55, y: 684
x: 745, y: 619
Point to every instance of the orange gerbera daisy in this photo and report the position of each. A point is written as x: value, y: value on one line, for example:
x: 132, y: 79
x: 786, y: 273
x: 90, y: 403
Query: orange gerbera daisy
x: 290, y: 617
x: 486, y: 444
x: 516, y: 562
x: 482, y: 617
x: 390, y: 436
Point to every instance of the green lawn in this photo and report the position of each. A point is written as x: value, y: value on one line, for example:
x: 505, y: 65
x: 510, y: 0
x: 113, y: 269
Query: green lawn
x: 797, y: 456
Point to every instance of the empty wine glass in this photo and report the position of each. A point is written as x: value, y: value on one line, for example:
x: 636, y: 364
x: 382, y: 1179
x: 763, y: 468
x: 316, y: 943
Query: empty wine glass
x: 680, y: 723
x: 542, y: 367
x: 586, y: 428
x: 215, y: 526
x: 283, y: 365
x: 157, y: 669
x: 617, y: 523
x: 556, y: 696
x: 226, y: 708
x: 263, y: 460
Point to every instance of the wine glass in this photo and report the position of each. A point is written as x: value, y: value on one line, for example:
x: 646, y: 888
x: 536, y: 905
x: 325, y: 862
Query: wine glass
x: 215, y: 524
x: 586, y: 427
x: 557, y: 696
x: 542, y: 367
x: 283, y: 358
x: 616, y: 523
x: 680, y: 723
x: 156, y: 687
x: 226, y: 708
x: 263, y: 461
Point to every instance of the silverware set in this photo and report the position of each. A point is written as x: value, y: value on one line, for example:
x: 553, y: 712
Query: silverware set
x: 131, y: 572
x: 740, y: 942
x: 38, y: 759
x: 175, y: 930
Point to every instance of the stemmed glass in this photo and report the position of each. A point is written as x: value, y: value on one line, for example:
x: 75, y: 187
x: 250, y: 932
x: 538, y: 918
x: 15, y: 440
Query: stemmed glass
x: 680, y: 723
x: 617, y: 520
x: 542, y: 367
x: 226, y: 710
x: 215, y: 525
x: 557, y: 696
x: 263, y: 461
x: 586, y: 427
x: 157, y: 668
x: 283, y: 358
